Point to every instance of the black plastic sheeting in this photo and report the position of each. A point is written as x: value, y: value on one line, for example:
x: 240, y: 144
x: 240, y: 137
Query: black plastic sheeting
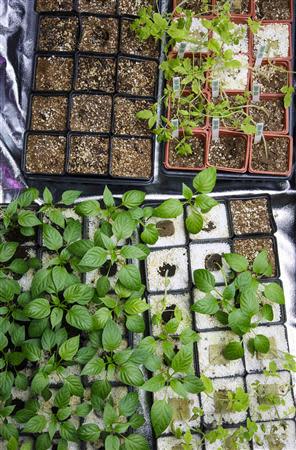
x: 17, y: 37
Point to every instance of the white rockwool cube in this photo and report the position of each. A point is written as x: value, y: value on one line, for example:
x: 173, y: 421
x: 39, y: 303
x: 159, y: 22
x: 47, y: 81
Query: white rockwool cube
x: 233, y: 79
x: 172, y: 443
x: 275, y: 37
x: 171, y: 231
x: 209, y: 256
x: 216, y: 224
x: 277, y: 434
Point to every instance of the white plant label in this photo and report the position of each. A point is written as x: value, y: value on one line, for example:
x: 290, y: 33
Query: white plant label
x: 260, y: 55
x: 182, y: 49
x: 175, y: 125
x: 259, y: 133
x: 177, y: 86
x: 215, y: 129
x: 215, y: 88
x: 256, y: 92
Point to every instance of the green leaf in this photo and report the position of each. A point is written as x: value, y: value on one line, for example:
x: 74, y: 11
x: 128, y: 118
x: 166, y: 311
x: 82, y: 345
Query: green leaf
x: 261, y: 264
x: 234, y: 350
x: 239, y: 322
x: 169, y: 209
x: 39, y: 382
x: 274, y: 292
x: 133, y: 252
x: 88, y: 208
x: 40, y: 282
x: 52, y: 239
x: 205, y: 181
x: 249, y: 302
x: 205, y: 203
x: 236, y: 262
x: 204, y: 280
x: 129, y: 404
x: 74, y: 385
x: 79, y: 293
x: 72, y: 231
x: 21, y: 382
x: 112, y: 442
x: 130, y: 277
x: 28, y: 219
x: 108, y: 197
x: 35, y: 425
x: 79, y: 317
x: 18, y: 266
x: 123, y: 226
x: 161, y: 416
x: 56, y: 316
x: 68, y: 431
x: 60, y: 278
x: 134, y: 198
x: 193, y: 384
x: 93, y: 367
x: 150, y: 234
x: 267, y: 312
x: 136, y: 324
x: 31, y: 349
x: 187, y: 192
x: 47, y: 196
x: 135, y: 306
x: 69, y: 197
x: 62, y: 397
x: 7, y: 250
x: 103, y: 286
x: 131, y: 375
x: 69, y: 348
x: 206, y: 305
x: 261, y: 343
x: 48, y: 339
x: 101, y: 389
x: 79, y: 248
x: 182, y: 361
x: 194, y: 222
x: 154, y: 384
x: 3, y: 341
x: 56, y: 217
x: 111, y: 337
x: 27, y: 197
x: 136, y: 442
x: 94, y: 258
x: 38, y: 308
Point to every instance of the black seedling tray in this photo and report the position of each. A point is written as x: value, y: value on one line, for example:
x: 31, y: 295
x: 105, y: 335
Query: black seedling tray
x: 75, y: 54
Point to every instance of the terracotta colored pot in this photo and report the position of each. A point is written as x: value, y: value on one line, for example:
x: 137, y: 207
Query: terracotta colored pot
x: 201, y: 134
x: 225, y: 132
x: 289, y: 154
x: 285, y: 129
x: 290, y: 19
x: 287, y: 65
x: 290, y: 52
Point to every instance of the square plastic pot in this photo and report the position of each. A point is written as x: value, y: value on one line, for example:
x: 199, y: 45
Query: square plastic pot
x: 287, y: 173
x: 203, y: 135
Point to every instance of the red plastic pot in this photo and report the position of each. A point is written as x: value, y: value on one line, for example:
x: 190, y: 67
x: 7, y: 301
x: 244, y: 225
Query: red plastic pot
x: 285, y: 129
x: 201, y: 134
x: 290, y: 19
x: 287, y: 65
x: 242, y: 15
x: 225, y: 132
x: 186, y: 93
x: 289, y: 153
x: 280, y: 58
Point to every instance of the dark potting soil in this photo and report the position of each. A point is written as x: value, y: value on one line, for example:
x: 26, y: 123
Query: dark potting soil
x: 273, y: 9
x: 213, y: 262
x: 277, y: 157
x: 91, y: 113
x: 236, y: 104
x: 125, y: 120
x: 54, y: 73
x: 251, y: 247
x: 272, y: 114
x: 250, y: 216
x: 45, y: 154
x: 58, y: 34
x: 167, y: 269
x: 271, y: 77
x: 165, y: 228
x: 228, y: 152
x: 192, y: 105
x: 131, y: 158
x: 89, y: 155
x: 194, y: 5
x: 132, y: 45
x: 97, y: 6
x: 196, y: 159
x: 54, y: 5
x: 99, y: 34
x: 96, y: 74
x: 137, y: 77
x: 237, y: 7
x: 107, y: 269
x: 133, y: 6
x: 168, y: 313
x: 49, y: 113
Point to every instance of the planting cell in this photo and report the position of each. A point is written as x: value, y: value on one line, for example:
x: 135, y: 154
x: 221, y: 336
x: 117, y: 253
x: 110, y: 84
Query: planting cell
x: 192, y: 161
x: 276, y: 37
x: 273, y: 10
x: 130, y: 44
x: 233, y: 79
x: 271, y: 156
x: 240, y: 35
x: 128, y: 7
x: 49, y: 113
x: 211, y: 360
x: 96, y: 73
x: 171, y: 231
x: 229, y: 152
x: 125, y: 120
x: 99, y: 34
x: 215, y: 224
x: 281, y: 434
x: 272, y: 113
x: 250, y: 216
x: 97, y: 7
x: 89, y: 155
x: 58, y: 34
x: 170, y: 442
x: 228, y: 442
x: 54, y: 5
x: 54, y: 73
x: 91, y: 113
x: 137, y: 77
x: 271, y: 77
x: 131, y: 158
x: 45, y: 154
x: 209, y: 256
x: 242, y: 7
x: 200, y: 34
x: 251, y: 247
x: 172, y: 263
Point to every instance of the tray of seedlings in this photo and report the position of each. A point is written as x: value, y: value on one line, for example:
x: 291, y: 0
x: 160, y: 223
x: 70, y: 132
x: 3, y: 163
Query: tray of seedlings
x: 136, y: 325
x: 91, y: 76
x: 229, y: 88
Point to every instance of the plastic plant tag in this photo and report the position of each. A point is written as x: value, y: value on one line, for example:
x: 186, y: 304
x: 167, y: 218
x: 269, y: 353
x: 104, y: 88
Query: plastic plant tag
x: 259, y: 133
x: 215, y: 88
x: 177, y: 86
x: 256, y: 91
x: 182, y: 49
x: 215, y: 129
x: 175, y: 125
x: 260, y: 55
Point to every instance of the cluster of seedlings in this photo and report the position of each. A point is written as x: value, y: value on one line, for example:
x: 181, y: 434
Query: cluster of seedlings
x: 79, y: 366
x: 92, y: 75
x: 228, y: 85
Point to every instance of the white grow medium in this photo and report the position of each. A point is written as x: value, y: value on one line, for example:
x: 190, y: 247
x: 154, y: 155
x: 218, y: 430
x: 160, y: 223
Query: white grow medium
x: 179, y: 236
x: 219, y: 444
x: 171, y: 443
x: 215, y: 224
x: 199, y: 32
x: 275, y: 36
x: 240, y: 30
x: 199, y: 253
x: 281, y: 432
x: 233, y: 79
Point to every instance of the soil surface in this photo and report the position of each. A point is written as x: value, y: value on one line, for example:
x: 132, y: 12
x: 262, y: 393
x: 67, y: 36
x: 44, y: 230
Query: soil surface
x: 192, y: 105
x: 58, y: 34
x: 234, y: 120
x: 165, y: 228
x: 45, y: 154
x: 193, y: 5
x: 91, y: 113
x: 273, y: 114
x: 133, y: 6
x: 137, y: 77
x: 250, y: 216
x: 229, y: 152
x: 131, y: 158
x: 277, y: 158
x: 49, y: 113
x: 196, y: 159
x: 273, y: 9
x: 126, y: 122
x: 99, y: 34
x: 89, y: 155
x: 54, y: 5
x: 132, y: 45
x: 271, y: 77
x: 96, y: 74
x: 54, y: 73
x: 251, y: 247
x: 97, y: 6
x: 213, y: 262
x: 239, y: 7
